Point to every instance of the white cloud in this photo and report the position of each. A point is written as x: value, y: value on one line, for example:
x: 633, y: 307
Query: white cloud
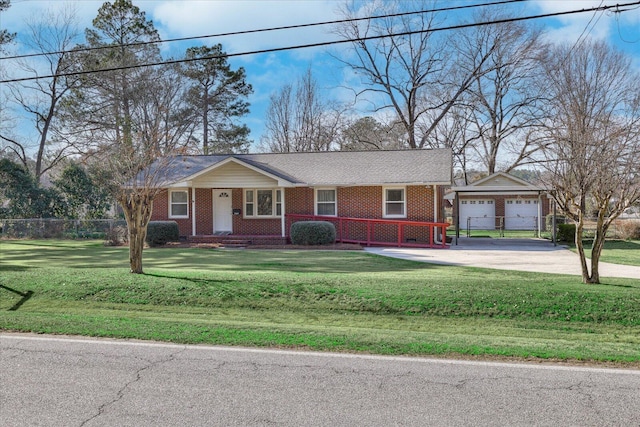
x: 199, y: 17
x: 600, y: 25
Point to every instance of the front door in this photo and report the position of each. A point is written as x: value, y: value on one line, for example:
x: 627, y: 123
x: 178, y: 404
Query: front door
x: 222, y: 212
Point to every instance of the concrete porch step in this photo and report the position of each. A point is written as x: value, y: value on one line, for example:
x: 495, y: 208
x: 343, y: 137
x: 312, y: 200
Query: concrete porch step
x: 237, y: 240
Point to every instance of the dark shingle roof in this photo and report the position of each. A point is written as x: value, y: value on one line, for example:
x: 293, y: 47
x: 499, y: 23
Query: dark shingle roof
x: 330, y: 168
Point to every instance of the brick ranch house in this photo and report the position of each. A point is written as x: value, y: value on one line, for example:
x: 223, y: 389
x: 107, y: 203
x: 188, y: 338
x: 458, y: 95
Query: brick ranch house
x: 372, y: 197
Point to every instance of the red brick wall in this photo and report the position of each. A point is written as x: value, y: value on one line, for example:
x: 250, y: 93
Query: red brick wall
x: 161, y: 213
x: 204, y: 211
x: 355, y: 202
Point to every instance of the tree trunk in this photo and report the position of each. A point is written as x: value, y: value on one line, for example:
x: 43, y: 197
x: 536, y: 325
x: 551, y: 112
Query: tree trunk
x: 205, y: 122
x: 137, y: 208
x: 598, y: 245
x: 586, y: 277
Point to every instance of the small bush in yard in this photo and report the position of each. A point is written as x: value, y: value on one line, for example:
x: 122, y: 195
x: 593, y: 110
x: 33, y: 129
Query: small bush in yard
x: 628, y: 229
x: 566, y: 232
x: 313, y: 233
x: 161, y: 232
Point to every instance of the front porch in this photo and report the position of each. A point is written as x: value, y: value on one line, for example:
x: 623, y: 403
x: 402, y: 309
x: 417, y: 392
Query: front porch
x: 238, y: 240
x: 366, y: 232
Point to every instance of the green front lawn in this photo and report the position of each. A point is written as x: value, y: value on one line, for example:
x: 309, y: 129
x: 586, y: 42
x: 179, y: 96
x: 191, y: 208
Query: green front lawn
x: 616, y: 251
x: 321, y: 300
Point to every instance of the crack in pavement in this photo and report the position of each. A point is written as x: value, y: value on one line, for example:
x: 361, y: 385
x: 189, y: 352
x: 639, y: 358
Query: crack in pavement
x: 137, y: 377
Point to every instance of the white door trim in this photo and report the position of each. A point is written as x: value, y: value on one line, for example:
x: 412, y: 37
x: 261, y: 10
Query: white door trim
x: 222, y: 210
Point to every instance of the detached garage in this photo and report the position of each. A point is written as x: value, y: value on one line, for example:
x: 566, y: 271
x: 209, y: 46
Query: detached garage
x: 477, y: 214
x: 499, y: 201
x: 521, y: 214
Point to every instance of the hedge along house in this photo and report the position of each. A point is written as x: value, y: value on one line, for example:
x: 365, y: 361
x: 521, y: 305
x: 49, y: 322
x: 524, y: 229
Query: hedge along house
x: 499, y: 202
x: 373, y: 197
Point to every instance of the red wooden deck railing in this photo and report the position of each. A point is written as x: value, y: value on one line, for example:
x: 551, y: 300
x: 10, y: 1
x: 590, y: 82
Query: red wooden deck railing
x: 382, y: 232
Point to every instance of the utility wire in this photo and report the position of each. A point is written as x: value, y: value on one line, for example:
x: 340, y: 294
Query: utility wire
x: 587, y: 30
x: 618, y: 12
x: 319, y: 44
x: 261, y: 30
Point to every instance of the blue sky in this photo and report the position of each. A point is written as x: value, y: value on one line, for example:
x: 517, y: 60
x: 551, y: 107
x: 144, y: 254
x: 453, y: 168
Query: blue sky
x: 269, y: 72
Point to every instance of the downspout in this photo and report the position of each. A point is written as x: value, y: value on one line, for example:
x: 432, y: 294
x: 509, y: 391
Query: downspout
x: 283, y: 221
x: 193, y: 211
x: 456, y: 218
x: 435, y: 214
x: 553, y: 232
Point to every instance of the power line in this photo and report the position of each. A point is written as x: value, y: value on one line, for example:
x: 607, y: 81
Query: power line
x: 261, y: 30
x: 587, y: 30
x: 618, y: 12
x: 321, y: 44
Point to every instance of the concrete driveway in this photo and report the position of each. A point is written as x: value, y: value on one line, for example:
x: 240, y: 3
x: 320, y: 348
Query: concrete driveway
x: 537, y: 255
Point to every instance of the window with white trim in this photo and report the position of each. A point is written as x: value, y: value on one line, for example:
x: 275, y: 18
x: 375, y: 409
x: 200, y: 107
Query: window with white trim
x: 395, y: 204
x: 326, y: 202
x: 262, y: 203
x: 178, y: 204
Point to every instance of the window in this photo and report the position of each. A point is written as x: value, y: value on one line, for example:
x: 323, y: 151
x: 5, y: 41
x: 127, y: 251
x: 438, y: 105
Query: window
x: 394, y: 203
x: 326, y: 202
x: 178, y: 204
x: 260, y: 203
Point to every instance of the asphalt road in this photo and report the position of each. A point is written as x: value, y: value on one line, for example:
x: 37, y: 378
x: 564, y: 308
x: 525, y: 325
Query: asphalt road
x: 54, y: 381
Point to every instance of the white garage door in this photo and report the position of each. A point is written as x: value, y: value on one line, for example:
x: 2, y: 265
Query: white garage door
x: 521, y: 214
x: 478, y: 214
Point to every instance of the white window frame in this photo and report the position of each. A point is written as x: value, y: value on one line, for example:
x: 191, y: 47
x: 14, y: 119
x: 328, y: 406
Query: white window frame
x: 335, y: 200
x: 171, y: 203
x: 276, y: 203
x: 385, y: 201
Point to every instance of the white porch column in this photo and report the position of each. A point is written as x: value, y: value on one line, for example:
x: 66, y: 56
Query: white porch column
x: 435, y: 203
x: 283, y: 222
x: 193, y: 211
x: 540, y: 215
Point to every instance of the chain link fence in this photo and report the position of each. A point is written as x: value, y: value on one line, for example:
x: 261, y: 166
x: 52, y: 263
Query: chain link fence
x: 111, y: 230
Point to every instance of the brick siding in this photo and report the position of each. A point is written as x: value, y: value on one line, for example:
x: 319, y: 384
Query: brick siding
x: 355, y: 202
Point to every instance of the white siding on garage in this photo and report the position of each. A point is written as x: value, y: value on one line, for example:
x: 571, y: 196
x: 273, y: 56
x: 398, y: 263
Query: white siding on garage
x: 521, y: 214
x: 482, y: 214
x: 233, y: 175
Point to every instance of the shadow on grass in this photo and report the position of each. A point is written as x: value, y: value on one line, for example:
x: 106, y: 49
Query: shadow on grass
x: 195, y: 280
x: 82, y: 254
x: 14, y: 268
x: 25, y: 297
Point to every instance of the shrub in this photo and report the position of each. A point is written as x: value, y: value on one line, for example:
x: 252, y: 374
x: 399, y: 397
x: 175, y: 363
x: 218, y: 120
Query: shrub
x: 117, y: 235
x: 566, y: 232
x: 560, y: 219
x: 628, y: 229
x: 161, y: 232
x: 313, y: 233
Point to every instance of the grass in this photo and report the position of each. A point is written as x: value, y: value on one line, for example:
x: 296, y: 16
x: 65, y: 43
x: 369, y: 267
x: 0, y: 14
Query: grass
x: 321, y: 300
x: 616, y: 251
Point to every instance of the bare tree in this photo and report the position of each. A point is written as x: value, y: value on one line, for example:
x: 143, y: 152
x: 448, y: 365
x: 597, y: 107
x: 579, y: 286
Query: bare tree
x: 367, y: 133
x: 406, y: 65
x: 502, y: 101
x: 298, y: 119
x: 52, y: 35
x: 454, y: 132
x: 593, y: 136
